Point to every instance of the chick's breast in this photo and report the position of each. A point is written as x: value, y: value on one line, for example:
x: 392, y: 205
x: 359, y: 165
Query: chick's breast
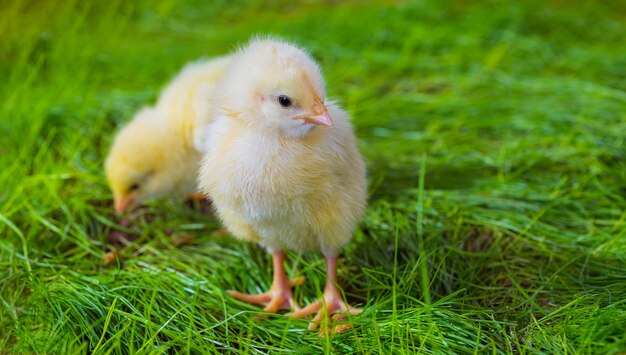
x: 298, y: 193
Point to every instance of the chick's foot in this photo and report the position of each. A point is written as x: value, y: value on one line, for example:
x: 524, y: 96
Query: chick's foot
x: 279, y: 296
x: 331, y: 304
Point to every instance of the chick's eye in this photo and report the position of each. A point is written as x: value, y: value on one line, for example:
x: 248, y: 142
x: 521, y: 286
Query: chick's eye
x: 134, y: 187
x: 284, y: 101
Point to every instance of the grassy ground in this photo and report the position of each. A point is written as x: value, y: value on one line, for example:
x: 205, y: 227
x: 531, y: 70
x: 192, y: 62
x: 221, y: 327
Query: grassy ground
x: 513, y: 113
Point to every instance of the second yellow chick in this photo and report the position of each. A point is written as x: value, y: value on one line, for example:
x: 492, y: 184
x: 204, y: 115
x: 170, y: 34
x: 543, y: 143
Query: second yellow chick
x: 157, y: 153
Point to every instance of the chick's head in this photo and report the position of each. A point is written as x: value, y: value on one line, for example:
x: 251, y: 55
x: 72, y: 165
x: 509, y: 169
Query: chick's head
x: 139, y: 163
x: 274, y: 84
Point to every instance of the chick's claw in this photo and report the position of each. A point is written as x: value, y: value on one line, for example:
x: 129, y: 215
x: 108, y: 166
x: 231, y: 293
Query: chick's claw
x: 337, y: 328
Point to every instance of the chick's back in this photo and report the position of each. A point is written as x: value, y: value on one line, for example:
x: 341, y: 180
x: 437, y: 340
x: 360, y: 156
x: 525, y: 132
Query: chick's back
x: 187, y: 99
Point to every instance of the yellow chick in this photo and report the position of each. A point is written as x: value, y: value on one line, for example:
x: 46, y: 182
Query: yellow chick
x: 157, y: 153
x: 282, y: 167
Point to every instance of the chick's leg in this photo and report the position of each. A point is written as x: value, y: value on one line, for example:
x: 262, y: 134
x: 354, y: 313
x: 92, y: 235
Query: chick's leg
x: 279, y: 296
x: 196, y: 197
x: 331, y: 303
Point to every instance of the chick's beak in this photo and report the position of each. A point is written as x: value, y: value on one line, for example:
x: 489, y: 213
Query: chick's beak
x: 122, y: 203
x: 320, y: 115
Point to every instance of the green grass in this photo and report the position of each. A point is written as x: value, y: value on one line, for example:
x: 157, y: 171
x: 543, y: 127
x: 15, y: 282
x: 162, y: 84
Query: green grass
x: 494, y: 137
